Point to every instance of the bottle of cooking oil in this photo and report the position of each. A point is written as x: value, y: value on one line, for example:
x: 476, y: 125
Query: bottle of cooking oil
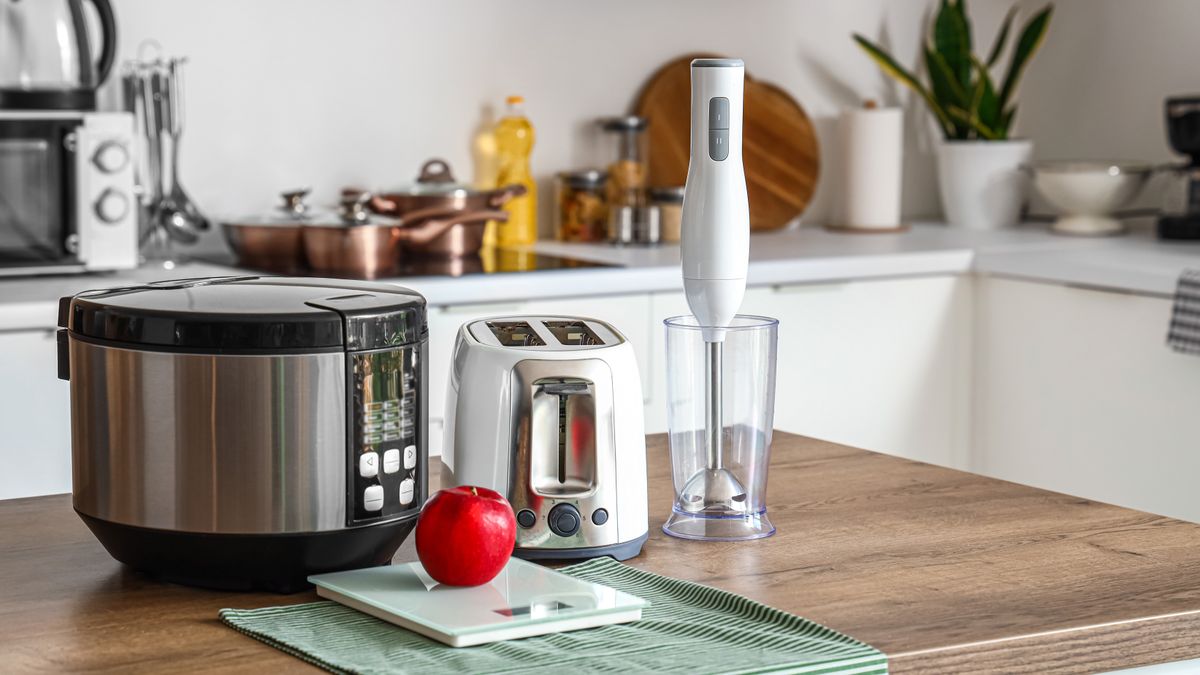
x: 514, y: 145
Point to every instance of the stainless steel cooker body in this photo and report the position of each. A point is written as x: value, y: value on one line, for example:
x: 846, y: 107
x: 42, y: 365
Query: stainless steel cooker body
x: 204, y: 443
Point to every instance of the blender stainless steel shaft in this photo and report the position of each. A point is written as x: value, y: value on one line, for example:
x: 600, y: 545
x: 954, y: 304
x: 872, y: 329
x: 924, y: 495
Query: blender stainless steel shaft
x: 715, y: 254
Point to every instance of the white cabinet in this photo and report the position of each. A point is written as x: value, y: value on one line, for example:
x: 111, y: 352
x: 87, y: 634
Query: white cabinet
x: 35, y: 417
x: 882, y: 365
x: 630, y: 314
x: 1076, y: 391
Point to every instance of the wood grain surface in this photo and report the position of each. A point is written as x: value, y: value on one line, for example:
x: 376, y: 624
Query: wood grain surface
x: 779, y: 145
x: 944, y: 571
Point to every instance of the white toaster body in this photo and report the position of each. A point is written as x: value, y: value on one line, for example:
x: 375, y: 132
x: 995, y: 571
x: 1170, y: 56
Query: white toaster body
x: 547, y: 410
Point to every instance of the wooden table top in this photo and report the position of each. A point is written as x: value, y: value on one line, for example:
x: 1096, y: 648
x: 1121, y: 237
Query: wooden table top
x: 941, y: 570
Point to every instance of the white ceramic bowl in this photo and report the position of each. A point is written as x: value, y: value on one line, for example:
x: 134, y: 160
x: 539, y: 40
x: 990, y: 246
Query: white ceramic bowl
x: 1088, y: 193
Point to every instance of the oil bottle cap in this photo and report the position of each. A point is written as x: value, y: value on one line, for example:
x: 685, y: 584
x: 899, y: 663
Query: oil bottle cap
x: 514, y: 100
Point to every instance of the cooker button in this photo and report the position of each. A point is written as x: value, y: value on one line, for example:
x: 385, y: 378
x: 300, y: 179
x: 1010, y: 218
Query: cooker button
x: 373, y: 498
x: 407, y: 486
x: 391, y: 460
x: 410, y: 457
x: 368, y: 464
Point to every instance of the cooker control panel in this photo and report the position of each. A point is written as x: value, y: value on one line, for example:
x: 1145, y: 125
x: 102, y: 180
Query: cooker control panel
x: 385, y: 449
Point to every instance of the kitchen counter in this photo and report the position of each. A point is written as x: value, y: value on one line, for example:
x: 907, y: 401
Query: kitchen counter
x: 943, y: 571
x: 1135, y: 264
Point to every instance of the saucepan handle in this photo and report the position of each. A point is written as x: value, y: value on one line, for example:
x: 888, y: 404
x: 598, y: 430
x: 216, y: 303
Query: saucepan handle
x: 500, y: 196
x: 436, y: 226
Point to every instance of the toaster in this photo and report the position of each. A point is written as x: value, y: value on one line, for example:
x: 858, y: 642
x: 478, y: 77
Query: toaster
x: 547, y: 410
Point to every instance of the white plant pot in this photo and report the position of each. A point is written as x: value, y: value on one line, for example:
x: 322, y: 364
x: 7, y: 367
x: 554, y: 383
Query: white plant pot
x: 982, y: 183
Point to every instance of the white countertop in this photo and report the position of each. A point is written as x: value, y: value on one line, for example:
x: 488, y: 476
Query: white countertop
x: 1135, y: 264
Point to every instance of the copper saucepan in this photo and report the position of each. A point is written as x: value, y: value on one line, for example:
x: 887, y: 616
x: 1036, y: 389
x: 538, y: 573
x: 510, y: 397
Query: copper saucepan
x: 369, y: 249
x: 436, y: 187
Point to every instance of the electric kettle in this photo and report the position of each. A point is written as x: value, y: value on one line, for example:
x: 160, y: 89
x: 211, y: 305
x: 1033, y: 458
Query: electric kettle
x: 47, y: 49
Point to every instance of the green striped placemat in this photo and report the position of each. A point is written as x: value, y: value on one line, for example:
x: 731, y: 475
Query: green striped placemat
x: 687, y: 628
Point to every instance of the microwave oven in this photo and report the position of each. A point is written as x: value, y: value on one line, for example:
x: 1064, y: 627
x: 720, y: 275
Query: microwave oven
x: 67, y: 201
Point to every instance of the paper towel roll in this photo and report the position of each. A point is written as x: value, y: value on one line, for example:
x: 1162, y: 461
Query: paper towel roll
x: 871, y: 143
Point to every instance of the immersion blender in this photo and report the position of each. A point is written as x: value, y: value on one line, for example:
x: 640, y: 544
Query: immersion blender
x: 715, y: 242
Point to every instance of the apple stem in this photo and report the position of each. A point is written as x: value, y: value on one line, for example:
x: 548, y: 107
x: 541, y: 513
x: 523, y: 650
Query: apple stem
x: 474, y: 491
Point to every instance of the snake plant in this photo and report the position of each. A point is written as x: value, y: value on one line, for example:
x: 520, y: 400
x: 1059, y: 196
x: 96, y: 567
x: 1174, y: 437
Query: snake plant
x: 961, y: 92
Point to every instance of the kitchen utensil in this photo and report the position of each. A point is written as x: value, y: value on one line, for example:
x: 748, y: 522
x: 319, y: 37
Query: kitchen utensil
x: 713, y: 502
x: 720, y: 482
x: 169, y: 215
x: 871, y: 149
x: 182, y: 210
x: 582, y: 213
x: 627, y: 168
x: 669, y: 201
x: 781, y: 154
x: 1088, y: 193
x: 436, y: 187
x: 547, y: 410
x: 268, y: 428
x: 1180, y: 217
x: 46, y: 60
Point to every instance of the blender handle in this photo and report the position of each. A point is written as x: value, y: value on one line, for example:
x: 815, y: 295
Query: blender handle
x: 108, y: 40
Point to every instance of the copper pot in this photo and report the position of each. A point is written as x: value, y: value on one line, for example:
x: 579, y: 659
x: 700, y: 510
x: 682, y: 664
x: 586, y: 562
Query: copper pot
x: 436, y: 187
x: 272, y: 242
x: 375, y: 249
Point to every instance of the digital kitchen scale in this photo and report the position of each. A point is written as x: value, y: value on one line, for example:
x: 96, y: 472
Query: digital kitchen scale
x: 524, y: 600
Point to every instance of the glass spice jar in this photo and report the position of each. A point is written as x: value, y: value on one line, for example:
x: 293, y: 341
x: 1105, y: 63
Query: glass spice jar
x: 627, y: 170
x: 581, y: 213
x: 669, y: 201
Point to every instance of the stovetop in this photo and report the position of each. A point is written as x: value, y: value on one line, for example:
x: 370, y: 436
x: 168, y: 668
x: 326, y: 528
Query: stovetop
x: 498, y: 261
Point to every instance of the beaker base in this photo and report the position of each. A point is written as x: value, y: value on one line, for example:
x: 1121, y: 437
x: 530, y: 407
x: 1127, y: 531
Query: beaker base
x: 697, y: 527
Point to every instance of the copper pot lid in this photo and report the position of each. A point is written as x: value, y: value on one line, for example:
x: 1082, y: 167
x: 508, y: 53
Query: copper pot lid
x: 436, y: 179
x: 296, y: 212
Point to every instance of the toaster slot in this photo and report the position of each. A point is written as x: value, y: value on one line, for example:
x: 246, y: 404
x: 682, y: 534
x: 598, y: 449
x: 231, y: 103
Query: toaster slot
x: 571, y: 333
x: 563, y: 438
x: 515, y: 334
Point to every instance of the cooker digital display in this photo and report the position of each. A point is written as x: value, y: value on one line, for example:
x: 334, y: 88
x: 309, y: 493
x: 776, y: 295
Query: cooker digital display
x: 385, y: 445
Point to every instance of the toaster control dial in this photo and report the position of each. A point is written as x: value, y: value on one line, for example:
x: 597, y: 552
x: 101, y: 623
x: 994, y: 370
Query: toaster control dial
x: 564, y: 520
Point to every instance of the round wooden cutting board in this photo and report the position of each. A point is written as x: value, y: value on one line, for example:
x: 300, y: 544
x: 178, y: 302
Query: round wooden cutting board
x: 779, y: 145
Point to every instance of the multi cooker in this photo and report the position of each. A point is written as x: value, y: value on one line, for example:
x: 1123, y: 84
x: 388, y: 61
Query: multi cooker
x: 245, y: 432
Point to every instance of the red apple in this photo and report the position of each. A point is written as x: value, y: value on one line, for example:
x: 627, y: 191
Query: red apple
x: 465, y: 535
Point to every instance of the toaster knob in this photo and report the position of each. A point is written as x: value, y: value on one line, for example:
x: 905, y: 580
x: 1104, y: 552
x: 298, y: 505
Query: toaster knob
x: 564, y: 520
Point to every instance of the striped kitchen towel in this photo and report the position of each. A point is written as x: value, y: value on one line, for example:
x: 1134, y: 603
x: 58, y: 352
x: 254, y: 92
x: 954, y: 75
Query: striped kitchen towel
x: 1184, y: 333
x: 688, y: 628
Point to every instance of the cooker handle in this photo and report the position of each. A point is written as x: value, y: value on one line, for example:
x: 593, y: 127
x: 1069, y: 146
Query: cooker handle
x: 64, y: 355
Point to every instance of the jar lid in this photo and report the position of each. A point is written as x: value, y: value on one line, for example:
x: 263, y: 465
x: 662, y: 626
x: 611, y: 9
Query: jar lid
x: 624, y: 123
x: 667, y: 195
x: 249, y: 314
x: 584, y: 178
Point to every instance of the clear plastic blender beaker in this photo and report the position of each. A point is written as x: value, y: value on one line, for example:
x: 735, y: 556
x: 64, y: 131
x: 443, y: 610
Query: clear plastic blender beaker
x: 727, y: 385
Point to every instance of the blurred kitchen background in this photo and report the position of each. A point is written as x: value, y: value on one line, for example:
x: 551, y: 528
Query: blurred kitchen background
x: 324, y: 94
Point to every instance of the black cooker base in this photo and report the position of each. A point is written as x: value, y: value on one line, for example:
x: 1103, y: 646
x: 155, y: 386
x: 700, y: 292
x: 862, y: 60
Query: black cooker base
x: 279, y: 563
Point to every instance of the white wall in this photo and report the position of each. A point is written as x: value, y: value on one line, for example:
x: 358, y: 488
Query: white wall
x: 334, y: 92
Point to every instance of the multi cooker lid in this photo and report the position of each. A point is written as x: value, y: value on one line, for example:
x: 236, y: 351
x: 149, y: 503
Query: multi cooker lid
x: 248, y: 314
